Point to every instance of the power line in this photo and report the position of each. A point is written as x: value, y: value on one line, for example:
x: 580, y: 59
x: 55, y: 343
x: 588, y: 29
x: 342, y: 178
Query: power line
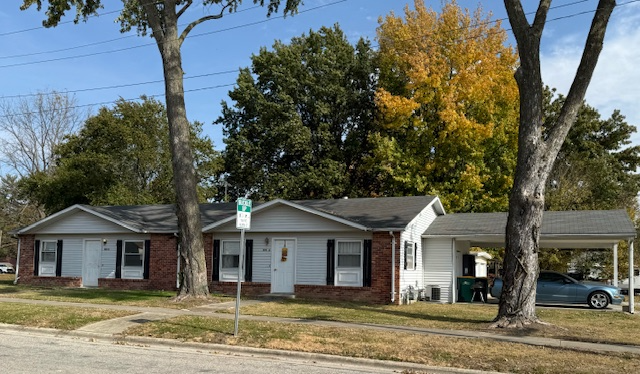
x: 152, y: 44
x: 117, y: 86
x: 235, y: 70
x: 103, y: 103
x: 94, y: 43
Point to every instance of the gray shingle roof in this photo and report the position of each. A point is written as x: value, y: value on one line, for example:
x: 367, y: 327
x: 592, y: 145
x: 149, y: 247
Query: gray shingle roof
x: 373, y: 213
x: 579, y: 222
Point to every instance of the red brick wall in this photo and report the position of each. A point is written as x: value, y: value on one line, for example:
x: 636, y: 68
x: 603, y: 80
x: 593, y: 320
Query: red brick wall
x: 208, y: 254
x: 25, y: 271
x: 248, y: 288
x: 163, y: 262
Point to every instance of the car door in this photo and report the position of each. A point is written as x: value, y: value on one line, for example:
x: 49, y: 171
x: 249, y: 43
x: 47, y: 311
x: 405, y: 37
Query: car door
x: 555, y: 288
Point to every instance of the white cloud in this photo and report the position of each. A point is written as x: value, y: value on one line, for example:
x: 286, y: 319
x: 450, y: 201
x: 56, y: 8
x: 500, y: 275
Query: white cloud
x: 616, y: 80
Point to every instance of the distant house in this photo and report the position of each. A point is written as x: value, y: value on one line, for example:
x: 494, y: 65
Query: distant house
x: 378, y: 250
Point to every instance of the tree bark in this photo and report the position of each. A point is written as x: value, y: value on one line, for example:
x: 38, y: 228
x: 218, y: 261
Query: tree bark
x: 165, y: 30
x: 538, y: 146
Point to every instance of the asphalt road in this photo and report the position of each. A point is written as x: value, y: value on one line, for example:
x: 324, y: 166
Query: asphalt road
x: 28, y: 352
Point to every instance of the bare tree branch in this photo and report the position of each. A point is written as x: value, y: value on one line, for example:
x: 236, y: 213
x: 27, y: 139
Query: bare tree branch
x: 592, y: 49
x: 193, y: 24
x: 184, y: 8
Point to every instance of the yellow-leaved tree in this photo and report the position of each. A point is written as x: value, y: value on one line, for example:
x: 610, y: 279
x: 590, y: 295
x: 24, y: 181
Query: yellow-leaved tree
x: 448, y: 106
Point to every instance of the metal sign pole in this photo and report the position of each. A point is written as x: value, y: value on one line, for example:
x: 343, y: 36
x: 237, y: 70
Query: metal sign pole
x: 240, y: 273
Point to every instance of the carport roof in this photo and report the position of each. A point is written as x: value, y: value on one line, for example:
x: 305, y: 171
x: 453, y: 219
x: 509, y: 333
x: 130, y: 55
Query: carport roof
x: 580, y: 228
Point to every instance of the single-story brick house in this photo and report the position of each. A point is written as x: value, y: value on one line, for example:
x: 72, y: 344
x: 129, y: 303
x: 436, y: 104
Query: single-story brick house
x: 369, y: 249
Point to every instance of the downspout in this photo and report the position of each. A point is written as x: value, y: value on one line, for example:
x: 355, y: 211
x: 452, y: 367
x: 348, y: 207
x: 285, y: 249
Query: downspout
x: 454, y: 280
x: 178, y: 264
x: 15, y: 281
x: 615, y: 264
x: 631, y: 292
x: 393, y: 267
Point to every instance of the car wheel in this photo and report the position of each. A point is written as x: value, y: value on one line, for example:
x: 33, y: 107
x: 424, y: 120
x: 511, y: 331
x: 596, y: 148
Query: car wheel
x: 599, y: 300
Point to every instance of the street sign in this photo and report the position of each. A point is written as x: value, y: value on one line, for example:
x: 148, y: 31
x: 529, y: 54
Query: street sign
x: 243, y: 219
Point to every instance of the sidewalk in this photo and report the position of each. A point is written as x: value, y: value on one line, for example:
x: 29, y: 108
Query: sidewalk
x: 116, y: 327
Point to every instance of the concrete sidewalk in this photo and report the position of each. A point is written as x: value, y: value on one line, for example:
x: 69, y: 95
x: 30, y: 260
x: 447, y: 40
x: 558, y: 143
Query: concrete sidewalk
x: 116, y: 327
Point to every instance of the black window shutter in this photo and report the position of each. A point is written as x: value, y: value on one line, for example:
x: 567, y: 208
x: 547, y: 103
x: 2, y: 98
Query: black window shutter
x: 415, y: 255
x: 119, y: 259
x: 366, y: 271
x: 36, y: 257
x: 331, y: 250
x: 59, y: 259
x: 248, y: 260
x: 147, y: 252
x: 216, y: 261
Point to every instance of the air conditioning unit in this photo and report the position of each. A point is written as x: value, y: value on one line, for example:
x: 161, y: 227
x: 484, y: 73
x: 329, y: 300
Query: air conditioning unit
x: 434, y: 292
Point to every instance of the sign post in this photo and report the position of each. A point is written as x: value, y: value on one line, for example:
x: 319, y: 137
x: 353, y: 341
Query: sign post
x: 243, y: 221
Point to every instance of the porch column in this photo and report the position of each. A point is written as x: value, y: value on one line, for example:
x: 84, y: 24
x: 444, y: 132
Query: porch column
x: 615, y: 264
x: 631, y: 285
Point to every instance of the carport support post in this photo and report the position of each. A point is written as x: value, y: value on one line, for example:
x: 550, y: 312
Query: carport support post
x: 631, y: 285
x: 240, y: 272
x: 615, y: 264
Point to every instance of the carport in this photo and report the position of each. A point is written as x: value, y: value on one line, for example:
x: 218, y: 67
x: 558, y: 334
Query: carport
x: 593, y: 229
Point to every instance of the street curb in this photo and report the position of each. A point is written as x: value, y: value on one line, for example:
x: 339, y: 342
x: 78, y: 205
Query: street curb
x: 242, y: 351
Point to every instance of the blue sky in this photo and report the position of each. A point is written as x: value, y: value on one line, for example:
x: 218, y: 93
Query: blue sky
x: 92, y: 55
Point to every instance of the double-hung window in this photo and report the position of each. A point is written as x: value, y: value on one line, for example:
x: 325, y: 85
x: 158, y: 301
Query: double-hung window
x: 48, y: 254
x: 133, y: 259
x: 229, y: 260
x: 349, y: 263
x: 409, y: 256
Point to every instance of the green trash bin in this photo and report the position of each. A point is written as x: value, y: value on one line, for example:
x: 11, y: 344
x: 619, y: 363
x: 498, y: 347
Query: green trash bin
x: 465, y: 288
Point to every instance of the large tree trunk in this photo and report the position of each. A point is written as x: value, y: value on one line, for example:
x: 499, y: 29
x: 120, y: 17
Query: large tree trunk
x: 194, y: 279
x: 538, y: 146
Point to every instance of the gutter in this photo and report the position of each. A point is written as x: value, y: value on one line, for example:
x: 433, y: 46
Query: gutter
x: 393, y: 266
x: 15, y: 281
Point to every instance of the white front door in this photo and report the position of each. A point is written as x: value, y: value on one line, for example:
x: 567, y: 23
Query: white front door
x: 91, y: 266
x: 283, y: 265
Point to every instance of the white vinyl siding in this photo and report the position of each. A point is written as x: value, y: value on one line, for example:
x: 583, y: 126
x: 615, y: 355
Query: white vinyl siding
x: 72, y: 252
x: 311, y: 253
x: 81, y: 223
x: 413, y: 233
x: 275, y: 218
x: 437, y: 264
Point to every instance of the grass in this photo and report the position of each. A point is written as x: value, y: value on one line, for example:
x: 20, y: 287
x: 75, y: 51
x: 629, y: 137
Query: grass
x: 423, y: 349
x: 161, y: 299
x: 63, y: 318
x: 571, y: 323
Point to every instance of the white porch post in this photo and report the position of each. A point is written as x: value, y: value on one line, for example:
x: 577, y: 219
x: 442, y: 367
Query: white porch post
x: 631, y: 285
x: 615, y: 264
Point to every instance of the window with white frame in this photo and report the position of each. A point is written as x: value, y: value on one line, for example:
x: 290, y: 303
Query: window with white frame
x: 48, y: 254
x: 229, y: 260
x: 409, y: 256
x: 133, y: 259
x: 348, y: 263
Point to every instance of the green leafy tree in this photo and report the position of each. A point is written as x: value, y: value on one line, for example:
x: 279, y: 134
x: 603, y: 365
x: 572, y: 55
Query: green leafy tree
x: 447, y: 106
x: 120, y: 157
x: 596, y: 166
x: 161, y: 19
x: 301, y: 119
